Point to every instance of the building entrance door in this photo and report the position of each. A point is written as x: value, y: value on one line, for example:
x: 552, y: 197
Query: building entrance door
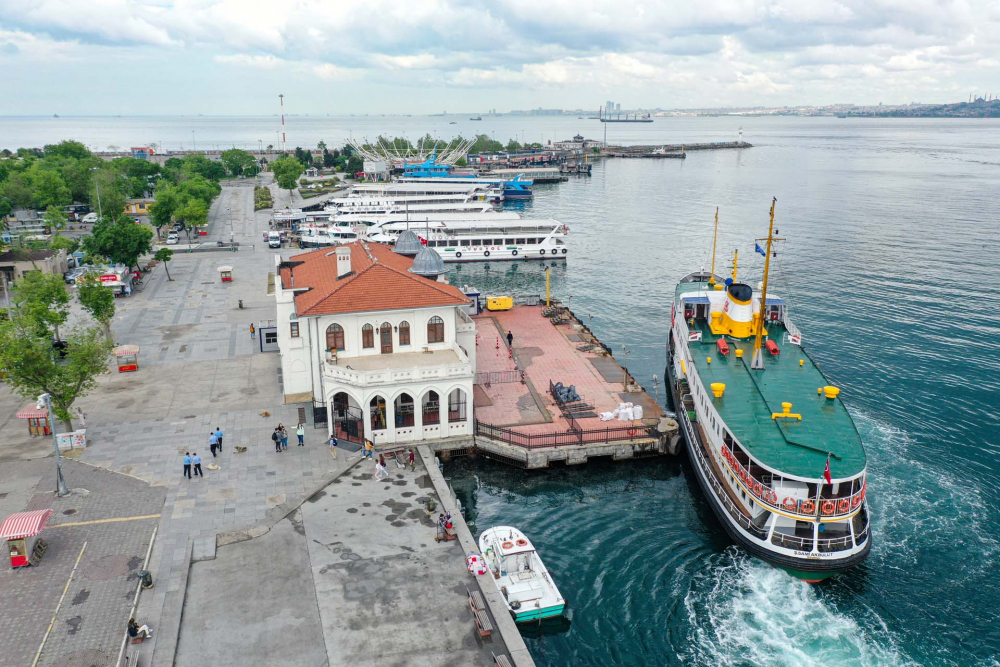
x: 386, y: 333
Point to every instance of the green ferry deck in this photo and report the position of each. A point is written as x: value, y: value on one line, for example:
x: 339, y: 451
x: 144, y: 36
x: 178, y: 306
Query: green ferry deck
x: 787, y: 445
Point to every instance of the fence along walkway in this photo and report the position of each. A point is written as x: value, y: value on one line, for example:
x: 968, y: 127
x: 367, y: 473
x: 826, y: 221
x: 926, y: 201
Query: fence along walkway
x: 576, y: 436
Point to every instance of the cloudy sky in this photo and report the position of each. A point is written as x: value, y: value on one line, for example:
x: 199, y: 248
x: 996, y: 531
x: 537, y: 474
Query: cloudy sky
x: 418, y: 56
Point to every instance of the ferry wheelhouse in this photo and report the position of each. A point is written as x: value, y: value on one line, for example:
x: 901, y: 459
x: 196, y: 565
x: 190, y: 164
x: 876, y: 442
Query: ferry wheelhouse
x: 484, y: 240
x: 774, y: 449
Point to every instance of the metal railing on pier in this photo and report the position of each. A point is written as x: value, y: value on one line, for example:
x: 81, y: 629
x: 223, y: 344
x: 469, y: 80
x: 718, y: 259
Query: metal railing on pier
x: 579, y: 436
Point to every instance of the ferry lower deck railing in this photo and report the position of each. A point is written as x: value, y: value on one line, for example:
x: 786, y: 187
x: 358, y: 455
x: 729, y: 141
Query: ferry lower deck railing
x: 573, y: 437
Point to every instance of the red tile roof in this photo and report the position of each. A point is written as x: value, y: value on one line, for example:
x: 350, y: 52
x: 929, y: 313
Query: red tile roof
x: 380, y: 281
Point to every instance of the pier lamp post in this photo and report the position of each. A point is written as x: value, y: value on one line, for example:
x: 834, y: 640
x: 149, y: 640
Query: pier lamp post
x: 45, y: 400
x: 97, y: 186
x: 625, y: 350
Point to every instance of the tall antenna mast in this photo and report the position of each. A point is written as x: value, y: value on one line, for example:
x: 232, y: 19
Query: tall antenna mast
x: 758, y: 356
x: 281, y: 98
x: 715, y: 237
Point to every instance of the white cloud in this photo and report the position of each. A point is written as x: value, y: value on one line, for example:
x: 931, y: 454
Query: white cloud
x: 260, y: 62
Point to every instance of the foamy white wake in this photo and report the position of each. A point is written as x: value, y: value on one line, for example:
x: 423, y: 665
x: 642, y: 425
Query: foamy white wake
x: 745, y: 612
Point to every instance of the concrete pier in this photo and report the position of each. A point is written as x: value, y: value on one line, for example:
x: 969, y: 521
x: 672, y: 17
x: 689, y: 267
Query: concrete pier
x: 670, y: 150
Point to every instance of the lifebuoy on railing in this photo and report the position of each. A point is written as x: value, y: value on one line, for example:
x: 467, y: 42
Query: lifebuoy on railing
x: 843, y: 505
x: 789, y: 504
x: 828, y: 507
x: 808, y: 507
x: 486, y: 254
x: 856, y: 500
x: 521, y: 542
x: 507, y: 545
x: 772, y: 497
x: 758, y: 488
x: 458, y: 254
x: 514, y: 253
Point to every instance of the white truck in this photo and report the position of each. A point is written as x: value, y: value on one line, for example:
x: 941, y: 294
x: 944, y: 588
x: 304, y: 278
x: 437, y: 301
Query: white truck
x: 274, y: 239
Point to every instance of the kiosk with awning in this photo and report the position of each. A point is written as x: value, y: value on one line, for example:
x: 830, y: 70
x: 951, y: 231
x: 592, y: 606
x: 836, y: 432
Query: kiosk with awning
x: 21, y: 532
x: 128, y: 357
x: 227, y: 273
x: 38, y: 420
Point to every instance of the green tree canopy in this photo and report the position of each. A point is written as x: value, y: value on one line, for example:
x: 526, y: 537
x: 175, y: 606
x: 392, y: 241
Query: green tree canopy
x: 192, y: 213
x: 199, y: 165
x: 238, y: 162
x: 161, y: 211
x: 48, y: 187
x: 200, y: 188
x: 120, y: 241
x: 68, y: 148
x: 43, y: 298
x: 32, y: 368
x: 97, y: 300
x: 354, y: 165
x: 164, y: 255
x: 286, y: 172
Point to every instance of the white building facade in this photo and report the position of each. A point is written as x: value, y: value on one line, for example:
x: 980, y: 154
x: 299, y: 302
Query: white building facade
x: 391, y: 355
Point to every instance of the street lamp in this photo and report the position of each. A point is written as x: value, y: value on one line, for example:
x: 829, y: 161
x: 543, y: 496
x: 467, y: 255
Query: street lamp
x: 230, y: 225
x: 45, y: 400
x: 97, y: 185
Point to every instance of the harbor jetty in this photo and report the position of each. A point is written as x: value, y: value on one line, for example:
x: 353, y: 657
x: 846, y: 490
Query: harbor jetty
x: 677, y: 151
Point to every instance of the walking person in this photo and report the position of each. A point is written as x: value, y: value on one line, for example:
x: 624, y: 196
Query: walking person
x: 381, y: 460
x: 369, y: 446
x: 284, y: 436
x: 187, y: 465
x: 300, y: 431
x: 81, y: 416
x: 510, y: 339
x: 213, y: 442
x: 276, y: 437
x: 333, y: 447
x: 253, y: 332
x: 410, y: 460
x: 196, y: 460
x: 218, y: 434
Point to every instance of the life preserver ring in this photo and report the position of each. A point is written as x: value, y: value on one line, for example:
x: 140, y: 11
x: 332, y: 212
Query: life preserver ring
x: 864, y: 489
x: 521, y: 542
x: 771, y: 497
x: 507, y: 545
x: 789, y: 504
x: 542, y: 251
x: 843, y: 505
x: 564, y: 251
x: 856, y: 500
x: 486, y: 254
x: 458, y: 254
x: 808, y: 507
x: 514, y: 253
x: 758, y: 489
x: 828, y: 507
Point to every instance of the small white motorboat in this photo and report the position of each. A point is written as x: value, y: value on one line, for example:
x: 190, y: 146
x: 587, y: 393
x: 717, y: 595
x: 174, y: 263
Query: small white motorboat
x: 520, y: 575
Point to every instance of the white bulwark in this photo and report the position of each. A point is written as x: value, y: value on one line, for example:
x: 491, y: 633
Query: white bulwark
x: 389, y: 353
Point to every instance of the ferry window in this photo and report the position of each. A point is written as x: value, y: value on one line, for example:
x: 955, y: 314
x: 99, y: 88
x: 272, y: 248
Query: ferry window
x: 510, y: 241
x: 465, y: 242
x: 452, y: 244
x: 497, y: 241
x: 477, y: 242
x: 520, y: 241
x: 532, y: 241
x: 367, y: 336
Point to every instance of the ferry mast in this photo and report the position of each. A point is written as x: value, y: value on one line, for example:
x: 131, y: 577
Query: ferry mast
x: 757, y: 363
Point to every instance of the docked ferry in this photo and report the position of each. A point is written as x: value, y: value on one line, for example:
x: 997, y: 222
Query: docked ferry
x: 478, y: 240
x: 774, y: 450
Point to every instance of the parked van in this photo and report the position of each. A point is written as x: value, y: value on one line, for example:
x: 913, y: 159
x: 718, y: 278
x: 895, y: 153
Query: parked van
x: 274, y: 239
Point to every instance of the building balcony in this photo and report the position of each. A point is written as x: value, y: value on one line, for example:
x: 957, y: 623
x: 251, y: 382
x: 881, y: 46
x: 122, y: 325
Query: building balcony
x: 398, y: 368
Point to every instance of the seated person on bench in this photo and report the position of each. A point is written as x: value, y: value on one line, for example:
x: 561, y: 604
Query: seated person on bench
x: 135, y: 631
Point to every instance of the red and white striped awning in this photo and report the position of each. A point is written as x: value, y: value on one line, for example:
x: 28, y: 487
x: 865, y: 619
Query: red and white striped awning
x: 24, y: 524
x: 125, y: 350
x: 31, y: 412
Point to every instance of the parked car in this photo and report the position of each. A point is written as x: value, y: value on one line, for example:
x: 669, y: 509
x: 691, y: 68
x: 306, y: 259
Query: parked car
x: 90, y: 217
x: 72, y: 276
x: 172, y: 239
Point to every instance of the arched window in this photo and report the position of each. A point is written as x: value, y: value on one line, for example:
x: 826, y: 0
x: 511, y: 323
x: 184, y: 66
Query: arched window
x: 367, y: 336
x: 404, y: 333
x: 435, y: 330
x: 335, y: 337
x: 385, y: 337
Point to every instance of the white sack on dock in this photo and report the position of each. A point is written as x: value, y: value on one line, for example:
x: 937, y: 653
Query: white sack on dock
x: 608, y: 416
x: 625, y: 414
x: 637, y: 412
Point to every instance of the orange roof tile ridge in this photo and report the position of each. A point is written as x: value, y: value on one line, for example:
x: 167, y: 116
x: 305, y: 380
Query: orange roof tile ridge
x: 422, y: 281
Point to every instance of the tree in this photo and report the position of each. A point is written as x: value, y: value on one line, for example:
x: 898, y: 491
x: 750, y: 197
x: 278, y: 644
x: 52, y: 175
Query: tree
x: 43, y: 298
x: 161, y: 211
x: 199, y: 188
x: 354, y: 165
x: 48, y: 188
x: 64, y: 243
x: 164, y: 255
x: 120, y: 242
x: 108, y: 193
x: 199, y: 165
x: 303, y: 156
x: 55, y: 219
x: 97, y: 300
x: 32, y: 368
x: 321, y: 146
x: 192, y: 213
x: 329, y: 160
x: 238, y: 162
x: 287, y: 171
x: 461, y: 162
x: 69, y: 148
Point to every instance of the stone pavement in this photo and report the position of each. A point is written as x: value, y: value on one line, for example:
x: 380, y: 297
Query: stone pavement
x: 91, y: 622
x: 353, y: 577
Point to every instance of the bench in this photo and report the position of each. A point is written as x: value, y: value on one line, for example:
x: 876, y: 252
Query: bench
x: 139, y: 622
x: 501, y: 660
x: 131, y: 658
x: 476, y: 601
x: 483, y: 624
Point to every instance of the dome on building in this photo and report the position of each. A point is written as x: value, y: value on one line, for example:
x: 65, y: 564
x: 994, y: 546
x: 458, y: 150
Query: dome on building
x: 427, y: 263
x: 407, y: 243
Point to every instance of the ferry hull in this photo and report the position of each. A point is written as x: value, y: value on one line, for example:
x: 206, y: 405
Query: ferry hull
x: 809, y: 570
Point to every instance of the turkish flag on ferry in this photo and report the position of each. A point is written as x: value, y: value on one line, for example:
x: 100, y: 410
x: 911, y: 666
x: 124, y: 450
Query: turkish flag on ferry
x: 826, y: 473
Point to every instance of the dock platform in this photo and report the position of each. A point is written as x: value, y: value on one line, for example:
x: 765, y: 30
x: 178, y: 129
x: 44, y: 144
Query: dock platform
x: 670, y: 150
x: 520, y: 418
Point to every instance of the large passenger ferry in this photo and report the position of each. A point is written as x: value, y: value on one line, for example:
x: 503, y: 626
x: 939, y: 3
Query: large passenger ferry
x: 477, y: 240
x: 775, y: 451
